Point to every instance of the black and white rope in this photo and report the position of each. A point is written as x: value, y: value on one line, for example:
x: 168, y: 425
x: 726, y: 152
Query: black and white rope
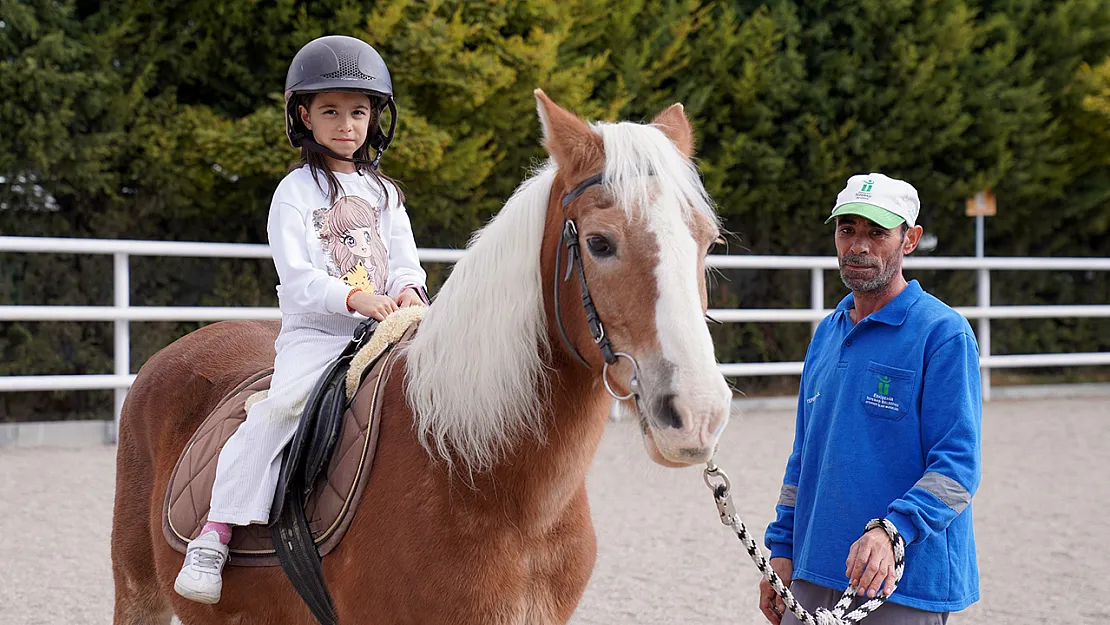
x: 718, y: 482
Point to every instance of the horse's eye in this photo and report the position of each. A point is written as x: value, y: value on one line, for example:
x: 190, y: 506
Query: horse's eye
x: 714, y: 244
x: 600, y: 246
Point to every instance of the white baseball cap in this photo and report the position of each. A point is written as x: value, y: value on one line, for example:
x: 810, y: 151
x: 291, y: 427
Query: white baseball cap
x: 882, y: 199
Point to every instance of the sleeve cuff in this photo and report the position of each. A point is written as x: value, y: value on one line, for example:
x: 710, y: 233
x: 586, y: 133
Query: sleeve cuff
x: 904, y: 526
x: 421, y: 292
x: 400, y: 287
x: 337, y: 299
x: 782, y: 550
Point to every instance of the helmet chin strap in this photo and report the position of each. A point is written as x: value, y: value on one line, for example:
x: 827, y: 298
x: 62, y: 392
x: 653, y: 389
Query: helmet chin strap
x: 305, y: 139
x: 310, y: 144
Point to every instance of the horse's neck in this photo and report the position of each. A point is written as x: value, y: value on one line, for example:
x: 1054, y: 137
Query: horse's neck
x: 542, y: 477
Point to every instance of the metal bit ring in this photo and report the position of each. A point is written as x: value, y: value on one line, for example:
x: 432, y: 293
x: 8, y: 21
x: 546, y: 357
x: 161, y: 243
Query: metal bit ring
x: 633, y: 382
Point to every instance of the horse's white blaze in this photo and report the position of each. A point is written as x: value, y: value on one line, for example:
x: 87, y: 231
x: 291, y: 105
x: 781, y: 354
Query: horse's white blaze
x: 683, y: 335
x: 651, y: 179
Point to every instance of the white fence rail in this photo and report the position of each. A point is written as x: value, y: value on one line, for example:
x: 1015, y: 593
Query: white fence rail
x: 122, y: 313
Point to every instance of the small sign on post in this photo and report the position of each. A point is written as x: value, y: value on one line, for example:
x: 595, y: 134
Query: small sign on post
x: 982, y: 203
x: 981, y: 206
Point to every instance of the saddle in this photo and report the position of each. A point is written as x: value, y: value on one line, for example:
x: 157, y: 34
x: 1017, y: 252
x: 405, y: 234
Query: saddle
x: 323, y: 471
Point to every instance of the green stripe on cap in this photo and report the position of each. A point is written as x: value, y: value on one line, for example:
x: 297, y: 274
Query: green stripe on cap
x: 877, y: 214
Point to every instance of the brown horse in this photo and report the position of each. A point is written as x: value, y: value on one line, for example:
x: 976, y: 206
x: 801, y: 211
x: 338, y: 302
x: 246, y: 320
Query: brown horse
x: 476, y: 509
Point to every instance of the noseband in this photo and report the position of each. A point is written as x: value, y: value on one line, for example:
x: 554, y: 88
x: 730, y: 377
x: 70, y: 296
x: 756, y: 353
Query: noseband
x: 597, y: 330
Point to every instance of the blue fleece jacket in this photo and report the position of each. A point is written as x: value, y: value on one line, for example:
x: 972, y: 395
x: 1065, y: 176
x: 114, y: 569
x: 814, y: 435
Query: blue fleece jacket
x: 888, y: 425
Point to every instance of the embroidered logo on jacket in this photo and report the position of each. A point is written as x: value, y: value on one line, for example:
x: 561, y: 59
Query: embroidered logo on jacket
x: 882, y: 399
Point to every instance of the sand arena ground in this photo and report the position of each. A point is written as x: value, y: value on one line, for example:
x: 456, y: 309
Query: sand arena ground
x: 1042, y: 517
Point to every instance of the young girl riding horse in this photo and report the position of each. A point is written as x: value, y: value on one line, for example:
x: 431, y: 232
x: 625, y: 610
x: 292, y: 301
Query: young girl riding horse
x: 344, y: 251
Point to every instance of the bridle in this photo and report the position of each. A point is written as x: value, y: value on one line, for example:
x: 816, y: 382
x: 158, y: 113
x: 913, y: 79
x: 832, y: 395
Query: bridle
x: 597, y: 329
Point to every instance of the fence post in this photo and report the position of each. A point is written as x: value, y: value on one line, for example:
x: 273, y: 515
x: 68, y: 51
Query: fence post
x: 984, y: 283
x: 816, y: 294
x: 122, y: 357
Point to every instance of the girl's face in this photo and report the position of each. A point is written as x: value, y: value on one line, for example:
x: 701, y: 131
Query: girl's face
x: 338, y: 120
x: 358, y: 241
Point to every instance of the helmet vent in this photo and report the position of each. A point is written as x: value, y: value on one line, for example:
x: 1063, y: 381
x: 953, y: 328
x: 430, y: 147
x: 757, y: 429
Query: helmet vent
x: 348, y: 68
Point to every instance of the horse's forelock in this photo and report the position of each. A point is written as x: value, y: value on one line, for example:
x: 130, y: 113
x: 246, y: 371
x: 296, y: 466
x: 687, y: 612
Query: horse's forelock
x: 642, y: 163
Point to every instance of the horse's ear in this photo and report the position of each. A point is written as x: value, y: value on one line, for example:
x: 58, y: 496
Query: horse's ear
x: 674, y: 124
x: 567, y: 138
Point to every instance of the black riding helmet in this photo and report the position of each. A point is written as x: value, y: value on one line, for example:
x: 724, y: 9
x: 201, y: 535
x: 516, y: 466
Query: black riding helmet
x: 339, y: 63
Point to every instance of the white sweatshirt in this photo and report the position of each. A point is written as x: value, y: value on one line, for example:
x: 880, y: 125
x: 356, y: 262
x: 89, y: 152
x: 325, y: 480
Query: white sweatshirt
x: 323, y: 250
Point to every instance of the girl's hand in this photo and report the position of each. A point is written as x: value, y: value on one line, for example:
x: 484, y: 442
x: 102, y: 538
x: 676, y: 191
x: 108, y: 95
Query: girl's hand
x: 373, y: 306
x: 408, y: 297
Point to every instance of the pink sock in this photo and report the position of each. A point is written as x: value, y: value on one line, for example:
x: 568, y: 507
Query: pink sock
x: 222, y: 529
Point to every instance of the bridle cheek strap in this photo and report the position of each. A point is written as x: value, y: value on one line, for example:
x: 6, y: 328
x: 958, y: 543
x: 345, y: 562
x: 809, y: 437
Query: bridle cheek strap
x: 574, y: 261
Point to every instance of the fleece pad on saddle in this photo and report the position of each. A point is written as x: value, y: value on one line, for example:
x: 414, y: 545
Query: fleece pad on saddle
x: 335, y: 496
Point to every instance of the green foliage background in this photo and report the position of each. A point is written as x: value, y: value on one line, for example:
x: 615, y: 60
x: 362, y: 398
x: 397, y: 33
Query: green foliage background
x: 163, y: 120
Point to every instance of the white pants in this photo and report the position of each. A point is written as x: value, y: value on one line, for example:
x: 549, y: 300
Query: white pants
x: 248, y: 466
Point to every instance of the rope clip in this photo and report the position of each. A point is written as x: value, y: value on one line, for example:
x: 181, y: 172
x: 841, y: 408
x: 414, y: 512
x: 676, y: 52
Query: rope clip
x: 718, y: 482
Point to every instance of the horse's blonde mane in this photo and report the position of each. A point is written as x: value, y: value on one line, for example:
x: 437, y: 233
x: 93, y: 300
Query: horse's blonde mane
x: 475, y: 366
x: 475, y: 370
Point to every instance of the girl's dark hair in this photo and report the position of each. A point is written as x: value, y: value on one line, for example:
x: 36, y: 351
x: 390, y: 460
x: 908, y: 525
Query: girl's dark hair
x: 318, y: 164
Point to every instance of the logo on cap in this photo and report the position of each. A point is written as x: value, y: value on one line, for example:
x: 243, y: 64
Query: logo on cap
x: 868, y: 185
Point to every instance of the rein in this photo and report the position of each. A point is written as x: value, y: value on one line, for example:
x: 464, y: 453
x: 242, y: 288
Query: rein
x: 719, y: 483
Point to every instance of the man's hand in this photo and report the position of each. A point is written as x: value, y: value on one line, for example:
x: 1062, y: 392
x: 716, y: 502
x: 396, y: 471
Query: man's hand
x: 772, y: 605
x: 871, y: 563
x: 409, y: 297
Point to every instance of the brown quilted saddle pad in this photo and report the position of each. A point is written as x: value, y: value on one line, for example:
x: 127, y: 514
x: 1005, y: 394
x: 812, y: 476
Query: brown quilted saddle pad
x: 336, y: 493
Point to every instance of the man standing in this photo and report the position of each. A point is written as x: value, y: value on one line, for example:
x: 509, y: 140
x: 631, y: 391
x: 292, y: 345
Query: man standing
x: 888, y: 426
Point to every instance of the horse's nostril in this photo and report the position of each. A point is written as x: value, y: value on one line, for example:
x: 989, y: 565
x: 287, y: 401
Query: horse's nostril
x: 666, y: 412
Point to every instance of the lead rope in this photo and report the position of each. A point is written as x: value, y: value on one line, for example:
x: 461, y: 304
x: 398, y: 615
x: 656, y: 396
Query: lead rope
x: 718, y: 482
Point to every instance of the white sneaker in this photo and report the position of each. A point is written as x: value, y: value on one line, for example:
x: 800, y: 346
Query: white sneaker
x: 199, y: 579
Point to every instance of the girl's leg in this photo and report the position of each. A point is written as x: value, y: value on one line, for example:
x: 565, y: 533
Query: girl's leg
x: 249, y: 463
x: 246, y: 476
x: 222, y: 530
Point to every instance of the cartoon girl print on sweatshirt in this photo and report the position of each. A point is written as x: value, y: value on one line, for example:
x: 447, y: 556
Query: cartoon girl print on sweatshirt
x: 349, y: 233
